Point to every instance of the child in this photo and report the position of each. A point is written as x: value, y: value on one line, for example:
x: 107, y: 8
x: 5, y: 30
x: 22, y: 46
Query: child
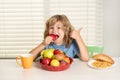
x: 69, y: 40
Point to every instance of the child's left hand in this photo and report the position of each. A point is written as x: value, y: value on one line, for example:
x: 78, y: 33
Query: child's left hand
x: 75, y: 34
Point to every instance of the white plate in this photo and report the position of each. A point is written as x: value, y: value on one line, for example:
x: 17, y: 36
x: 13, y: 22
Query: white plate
x: 92, y: 60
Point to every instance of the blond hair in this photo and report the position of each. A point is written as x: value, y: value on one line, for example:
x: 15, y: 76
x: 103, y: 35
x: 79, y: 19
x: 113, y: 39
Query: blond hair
x: 67, y: 27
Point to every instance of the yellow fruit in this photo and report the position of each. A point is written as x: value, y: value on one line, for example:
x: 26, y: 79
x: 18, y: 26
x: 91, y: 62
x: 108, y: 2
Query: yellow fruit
x: 47, y: 53
x: 54, y: 62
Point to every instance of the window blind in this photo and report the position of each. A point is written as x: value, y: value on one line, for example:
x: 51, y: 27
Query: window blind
x: 22, y: 22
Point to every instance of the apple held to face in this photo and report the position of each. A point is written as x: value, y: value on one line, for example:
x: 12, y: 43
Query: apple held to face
x: 46, y: 61
x: 54, y: 36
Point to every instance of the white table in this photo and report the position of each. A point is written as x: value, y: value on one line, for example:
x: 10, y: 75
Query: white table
x: 79, y: 70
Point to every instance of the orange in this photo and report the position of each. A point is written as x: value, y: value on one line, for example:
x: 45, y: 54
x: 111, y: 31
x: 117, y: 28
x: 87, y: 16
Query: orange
x: 67, y: 59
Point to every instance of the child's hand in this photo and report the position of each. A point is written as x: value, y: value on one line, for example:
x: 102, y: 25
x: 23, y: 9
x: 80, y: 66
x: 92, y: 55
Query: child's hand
x: 75, y: 34
x: 48, y: 40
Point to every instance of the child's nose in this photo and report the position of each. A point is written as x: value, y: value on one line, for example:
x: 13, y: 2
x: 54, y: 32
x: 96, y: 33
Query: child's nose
x: 54, y: 30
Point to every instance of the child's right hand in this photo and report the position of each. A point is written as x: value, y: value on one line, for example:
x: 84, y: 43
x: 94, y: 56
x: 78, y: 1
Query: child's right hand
x: 48, y: 40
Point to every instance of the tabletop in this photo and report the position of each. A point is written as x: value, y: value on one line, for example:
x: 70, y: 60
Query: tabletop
x: 79, y: 70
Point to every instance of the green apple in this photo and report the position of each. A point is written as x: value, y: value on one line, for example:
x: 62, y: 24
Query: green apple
x: 48, y: 53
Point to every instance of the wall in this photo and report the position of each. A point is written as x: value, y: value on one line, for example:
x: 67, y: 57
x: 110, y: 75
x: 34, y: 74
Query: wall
x: 112, y: 27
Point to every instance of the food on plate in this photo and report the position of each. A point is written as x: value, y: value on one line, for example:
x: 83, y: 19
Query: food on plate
x: 103, y: 57
x: 101, y: 64
x: 102, y: 61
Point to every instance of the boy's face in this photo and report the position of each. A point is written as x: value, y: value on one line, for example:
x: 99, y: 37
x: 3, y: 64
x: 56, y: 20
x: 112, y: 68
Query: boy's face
x: 57, y: 29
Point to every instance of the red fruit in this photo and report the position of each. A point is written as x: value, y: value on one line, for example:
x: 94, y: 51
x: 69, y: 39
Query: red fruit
x: 46, y: 61
x: 57, y: 51
x: 63, y: 63
x: 54, y: 36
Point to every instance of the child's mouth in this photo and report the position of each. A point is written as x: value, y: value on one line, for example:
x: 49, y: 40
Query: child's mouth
x: 57, y: 36
x: 54, y: 36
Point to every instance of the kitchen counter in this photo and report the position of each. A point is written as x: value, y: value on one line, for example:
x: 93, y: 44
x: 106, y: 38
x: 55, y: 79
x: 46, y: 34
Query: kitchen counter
x: 79, y: 70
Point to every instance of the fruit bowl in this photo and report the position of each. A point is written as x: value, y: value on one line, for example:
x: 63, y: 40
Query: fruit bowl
x: 53, y: 68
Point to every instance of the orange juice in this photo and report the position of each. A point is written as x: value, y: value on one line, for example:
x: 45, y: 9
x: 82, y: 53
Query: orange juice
x: 26, y: 60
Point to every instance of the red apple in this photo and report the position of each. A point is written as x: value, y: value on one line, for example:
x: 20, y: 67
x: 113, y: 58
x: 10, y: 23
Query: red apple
x: 54, y: 36
x: 46, y: 61
x: 57, y: 51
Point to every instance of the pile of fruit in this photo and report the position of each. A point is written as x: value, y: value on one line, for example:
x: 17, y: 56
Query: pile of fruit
x: 54, y: 59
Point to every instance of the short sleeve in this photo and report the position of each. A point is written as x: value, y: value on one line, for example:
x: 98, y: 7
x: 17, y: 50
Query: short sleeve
x: 76, y: 48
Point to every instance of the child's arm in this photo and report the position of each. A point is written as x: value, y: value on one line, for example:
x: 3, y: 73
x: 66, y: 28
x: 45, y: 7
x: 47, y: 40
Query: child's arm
x: 84, y: 54
x: 41, y: 46
x: 37, y: 49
